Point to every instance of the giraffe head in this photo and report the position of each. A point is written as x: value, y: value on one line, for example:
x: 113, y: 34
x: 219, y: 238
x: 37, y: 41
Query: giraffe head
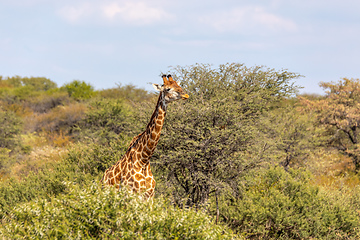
x: 171, y: 89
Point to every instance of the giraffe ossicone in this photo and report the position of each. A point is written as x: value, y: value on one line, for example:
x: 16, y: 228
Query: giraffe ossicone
x: 133, y: 169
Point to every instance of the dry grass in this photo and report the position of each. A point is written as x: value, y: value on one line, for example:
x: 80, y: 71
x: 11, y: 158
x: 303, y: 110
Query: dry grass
x: 55, y: 139
x: 46, y: 149
x: 332, y: 169
x: 58, y: 118
x: 38, y: 158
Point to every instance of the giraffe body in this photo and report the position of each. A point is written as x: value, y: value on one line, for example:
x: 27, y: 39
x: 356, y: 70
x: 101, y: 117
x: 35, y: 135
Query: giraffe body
x: 133, y: 169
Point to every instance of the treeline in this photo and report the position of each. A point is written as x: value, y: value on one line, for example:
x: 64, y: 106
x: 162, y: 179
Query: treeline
x: 244, y: 157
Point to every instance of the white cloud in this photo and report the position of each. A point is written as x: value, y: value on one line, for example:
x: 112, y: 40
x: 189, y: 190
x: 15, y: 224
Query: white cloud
x: 134, y: 12
x: 76, y: 13
x: 117, y: 11
x: 250, y: 19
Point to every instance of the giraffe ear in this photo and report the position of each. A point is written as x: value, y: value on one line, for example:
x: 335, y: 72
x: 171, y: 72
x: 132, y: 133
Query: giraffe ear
x: 157, y: 87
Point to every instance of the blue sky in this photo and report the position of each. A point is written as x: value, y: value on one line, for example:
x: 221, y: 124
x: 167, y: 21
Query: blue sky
x: 109, y: 42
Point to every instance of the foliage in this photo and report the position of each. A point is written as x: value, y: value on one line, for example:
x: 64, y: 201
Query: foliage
x: 5, y: 161
x: 39, y: 184
x: 18, y: 89
x: 108, y: 119
x: 79, y: 90
x: 25, y: 95
x: 339, y: 111
x: 10, y: 127
x: 91, y: 212
x: 277, y: 204
x: 81, y: 164
x: 36, y: 83
x: 24, y: 92
x: 217, y: 153
x: 209, y: 140
x: 59, y: 118
x: 95, y: 158
x: 47, y: 101
x: 291, y: 134
x: 128, y: 92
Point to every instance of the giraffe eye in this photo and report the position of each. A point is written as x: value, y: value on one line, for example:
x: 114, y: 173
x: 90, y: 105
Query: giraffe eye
x: 167, y: 89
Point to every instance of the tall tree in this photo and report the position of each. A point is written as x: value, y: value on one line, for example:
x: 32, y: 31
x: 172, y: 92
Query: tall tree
x: 290, y: 134
x: 207, y: 142
x: 339, y: 111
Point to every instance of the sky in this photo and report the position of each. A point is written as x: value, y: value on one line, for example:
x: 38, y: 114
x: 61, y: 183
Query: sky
x: 110, y: 42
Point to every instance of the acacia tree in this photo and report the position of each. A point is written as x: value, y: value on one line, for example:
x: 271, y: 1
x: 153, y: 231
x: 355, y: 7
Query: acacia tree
x: 339, y: 111
x: 212, y: 138
x: 290, y: 133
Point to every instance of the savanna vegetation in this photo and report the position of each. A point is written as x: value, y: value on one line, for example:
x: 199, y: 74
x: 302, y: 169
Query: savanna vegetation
x: 245, y: 157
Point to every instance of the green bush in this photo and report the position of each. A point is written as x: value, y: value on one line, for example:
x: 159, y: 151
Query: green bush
x: 107, y: 114
x: 109, y: 119
x: 95, y: 158
x: 25, y: 92
x: 6, y: 161
x: 41, y: 184
x: 91, y: 212
x: 127, y: 92
x: 82, y: 165
x: 39, y: 83
x: 15, y: 89
x: 47, y: 101
x: 36, y: 83
x: 278, y: 204
x: 10, y: 127
x: 79, y: 90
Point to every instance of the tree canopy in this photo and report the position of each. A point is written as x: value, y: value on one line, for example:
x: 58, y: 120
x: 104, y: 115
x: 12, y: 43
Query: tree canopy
x: 339, y: 112
x: 206, y: 139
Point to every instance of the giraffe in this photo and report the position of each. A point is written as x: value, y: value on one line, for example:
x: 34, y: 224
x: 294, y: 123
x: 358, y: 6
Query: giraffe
x: 133, y: 169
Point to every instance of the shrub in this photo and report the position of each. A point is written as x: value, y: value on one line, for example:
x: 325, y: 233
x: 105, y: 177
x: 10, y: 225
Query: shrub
x: 24, y: 92
x: 90, y: 212
x: 109, y: 118
x: 37, y: 159
x: 79, y: 90
x: 279, y: 204
x: 47, y: 101
x: 59, y: 118
x: 19, y: 109
x: 128, y: 92
x: 5, y: 161
x: 40, y: 183
x: 10, y: 127
x: 39, y: 83
x: 95, y: 158
x: 36, y: 83
x: 81, y: 164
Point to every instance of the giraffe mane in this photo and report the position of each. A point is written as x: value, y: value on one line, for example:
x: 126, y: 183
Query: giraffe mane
x: 134, y: 141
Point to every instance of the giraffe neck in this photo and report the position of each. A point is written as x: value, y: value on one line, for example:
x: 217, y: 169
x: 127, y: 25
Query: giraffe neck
x: 148, y: 140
